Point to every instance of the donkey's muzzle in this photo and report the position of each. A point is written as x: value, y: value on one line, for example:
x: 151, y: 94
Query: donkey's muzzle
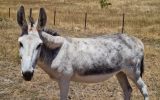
x: 27, y: 76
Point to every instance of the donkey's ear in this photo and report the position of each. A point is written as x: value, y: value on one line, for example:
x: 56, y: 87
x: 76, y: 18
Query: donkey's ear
x: 42, y: 19
x: 21, y: 17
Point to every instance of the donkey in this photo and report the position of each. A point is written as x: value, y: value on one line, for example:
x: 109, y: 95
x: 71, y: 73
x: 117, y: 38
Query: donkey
x: 88, y: 60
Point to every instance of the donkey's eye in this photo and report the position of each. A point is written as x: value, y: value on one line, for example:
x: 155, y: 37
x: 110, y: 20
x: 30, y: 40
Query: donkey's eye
x: 38, y: 46
x: 20, y: 44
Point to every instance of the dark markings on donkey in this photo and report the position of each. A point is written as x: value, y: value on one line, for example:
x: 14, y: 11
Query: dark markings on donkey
x: 100, y: 69
x: 105, y: 68
x: 51, y: 54
x: 142, y: 66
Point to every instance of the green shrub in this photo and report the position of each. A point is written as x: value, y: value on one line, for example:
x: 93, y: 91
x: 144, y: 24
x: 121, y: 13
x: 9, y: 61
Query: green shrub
x: 104, y: 3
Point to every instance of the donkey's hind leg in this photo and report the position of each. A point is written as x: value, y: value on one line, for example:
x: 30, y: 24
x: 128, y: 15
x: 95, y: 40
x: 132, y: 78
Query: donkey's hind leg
x: 135, y: 76
x: 127, y: 90
x: 141, y: 85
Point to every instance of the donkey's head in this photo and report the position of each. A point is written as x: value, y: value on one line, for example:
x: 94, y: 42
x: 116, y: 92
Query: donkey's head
x: 29, y: 41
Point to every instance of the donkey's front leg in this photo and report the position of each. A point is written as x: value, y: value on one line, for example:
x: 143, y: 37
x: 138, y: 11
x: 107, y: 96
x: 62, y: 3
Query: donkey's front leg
x: 64, y: 87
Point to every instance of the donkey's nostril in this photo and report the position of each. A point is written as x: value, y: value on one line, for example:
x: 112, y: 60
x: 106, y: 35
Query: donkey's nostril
x: 27, y: 75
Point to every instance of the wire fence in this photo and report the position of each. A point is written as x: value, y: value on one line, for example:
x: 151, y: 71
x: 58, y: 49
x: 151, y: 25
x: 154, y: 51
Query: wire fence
x: 84, y: 20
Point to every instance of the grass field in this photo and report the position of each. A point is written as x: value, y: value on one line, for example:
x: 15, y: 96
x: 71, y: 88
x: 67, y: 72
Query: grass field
x: 142, y: 19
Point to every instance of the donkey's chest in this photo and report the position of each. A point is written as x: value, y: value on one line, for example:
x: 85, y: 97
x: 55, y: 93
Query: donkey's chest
x: 52, y: 73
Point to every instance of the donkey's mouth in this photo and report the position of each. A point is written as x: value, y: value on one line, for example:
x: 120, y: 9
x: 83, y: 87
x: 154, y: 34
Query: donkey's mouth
x: 27, y: 76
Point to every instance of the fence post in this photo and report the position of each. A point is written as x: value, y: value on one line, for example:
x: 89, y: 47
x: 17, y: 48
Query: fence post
x: 85, y: 21
x: 123, y: 23
x: 30, y: 17
x: 30, y: 12
x: 55, y: 17
x: 9, y: 14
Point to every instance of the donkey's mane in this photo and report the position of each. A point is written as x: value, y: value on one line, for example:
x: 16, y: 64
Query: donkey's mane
x: 51, y: 32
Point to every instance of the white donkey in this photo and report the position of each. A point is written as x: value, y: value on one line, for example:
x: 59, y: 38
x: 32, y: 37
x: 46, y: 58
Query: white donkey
x: 89, y: 60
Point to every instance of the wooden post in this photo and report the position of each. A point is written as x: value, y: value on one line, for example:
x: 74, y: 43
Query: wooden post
x: 123, y: 23
x: 30, y: 17
x: 85, y: 21
x: 9, y: 14
x: 54, y: 17
x: 30, y: 12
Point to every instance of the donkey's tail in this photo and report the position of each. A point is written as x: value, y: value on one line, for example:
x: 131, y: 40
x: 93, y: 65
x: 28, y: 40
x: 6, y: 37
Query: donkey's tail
x: 142, y: 66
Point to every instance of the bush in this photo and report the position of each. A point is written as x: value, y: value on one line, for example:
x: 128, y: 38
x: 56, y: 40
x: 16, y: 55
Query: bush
x: 104, y: 3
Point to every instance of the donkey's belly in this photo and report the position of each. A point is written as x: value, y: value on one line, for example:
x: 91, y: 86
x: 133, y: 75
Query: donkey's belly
x: 92, y: 78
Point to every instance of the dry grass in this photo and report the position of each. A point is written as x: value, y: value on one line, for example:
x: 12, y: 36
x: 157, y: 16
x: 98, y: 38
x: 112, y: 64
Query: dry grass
x: 142, y: 20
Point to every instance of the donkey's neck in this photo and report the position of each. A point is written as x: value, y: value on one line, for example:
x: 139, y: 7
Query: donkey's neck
x: 51, y: 49
x: 47, y: 55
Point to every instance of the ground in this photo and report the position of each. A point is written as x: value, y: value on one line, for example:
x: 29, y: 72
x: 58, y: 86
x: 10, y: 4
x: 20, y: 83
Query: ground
x: 142, y: 19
